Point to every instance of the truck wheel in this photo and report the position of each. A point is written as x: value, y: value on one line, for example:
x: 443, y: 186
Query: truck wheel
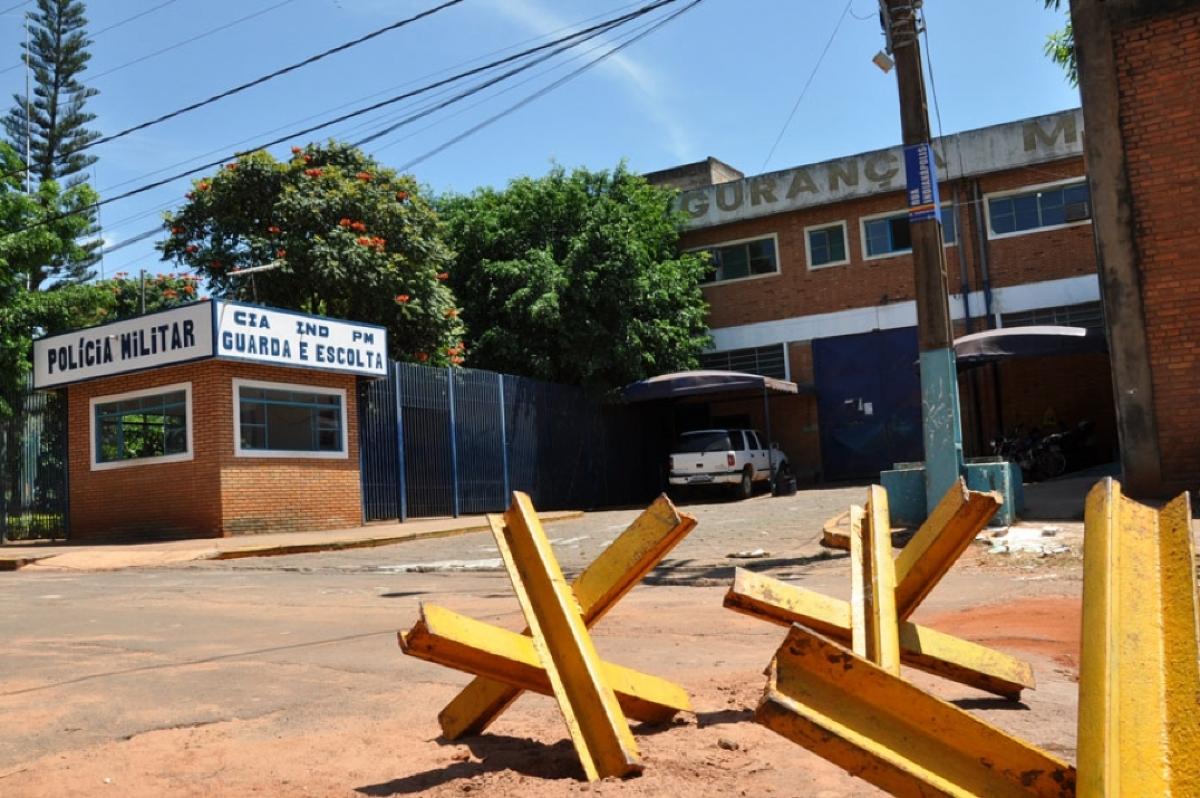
x: 746, y: 486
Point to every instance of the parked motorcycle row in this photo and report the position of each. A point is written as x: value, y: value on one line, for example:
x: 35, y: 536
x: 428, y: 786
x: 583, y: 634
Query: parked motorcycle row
x: 1045, y: 455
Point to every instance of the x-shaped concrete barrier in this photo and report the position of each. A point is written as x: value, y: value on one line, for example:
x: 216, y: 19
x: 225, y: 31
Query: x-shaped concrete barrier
x: 555, y: 654
x: 885, y: 592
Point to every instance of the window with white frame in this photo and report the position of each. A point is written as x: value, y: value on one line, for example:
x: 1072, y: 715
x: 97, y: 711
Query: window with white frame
x: 741, y: 259
x: 889, y: 235
x: 282, y: 420
x: 148, y: 426
x: 1032, y: 209
x: 826, y: 245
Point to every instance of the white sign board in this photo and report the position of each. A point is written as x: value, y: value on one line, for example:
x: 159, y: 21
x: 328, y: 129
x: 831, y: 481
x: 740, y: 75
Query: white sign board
x: 157, y: 339
x: 287, y: 338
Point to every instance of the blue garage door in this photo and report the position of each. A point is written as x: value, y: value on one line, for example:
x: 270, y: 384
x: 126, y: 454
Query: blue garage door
x: 869, y: 400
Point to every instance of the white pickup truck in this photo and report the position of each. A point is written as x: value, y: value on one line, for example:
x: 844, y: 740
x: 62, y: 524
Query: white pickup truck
x: 734, y: 457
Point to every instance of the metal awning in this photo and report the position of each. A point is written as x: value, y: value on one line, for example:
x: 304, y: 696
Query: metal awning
x: 697, y: 383
x: 1033, y: 341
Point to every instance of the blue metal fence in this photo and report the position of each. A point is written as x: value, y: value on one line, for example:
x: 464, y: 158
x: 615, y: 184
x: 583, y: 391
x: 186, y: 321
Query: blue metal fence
x: 439, y: 442
x: 33, y: 468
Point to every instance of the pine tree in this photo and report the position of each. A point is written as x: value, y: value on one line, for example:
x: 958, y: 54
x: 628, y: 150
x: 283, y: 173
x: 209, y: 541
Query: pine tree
x: 55, y: 121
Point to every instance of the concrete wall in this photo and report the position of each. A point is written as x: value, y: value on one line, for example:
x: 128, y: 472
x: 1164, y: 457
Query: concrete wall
x: 997, y: 148
x: 215, y: 493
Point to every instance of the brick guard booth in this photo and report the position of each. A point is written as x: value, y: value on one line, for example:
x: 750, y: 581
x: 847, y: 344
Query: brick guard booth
x: 212, y: 419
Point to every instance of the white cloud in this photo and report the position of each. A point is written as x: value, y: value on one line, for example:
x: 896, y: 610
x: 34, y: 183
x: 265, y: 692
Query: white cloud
x: 638, y: 79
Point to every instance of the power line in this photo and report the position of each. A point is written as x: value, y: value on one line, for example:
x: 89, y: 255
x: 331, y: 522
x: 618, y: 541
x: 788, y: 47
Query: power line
x: 582, y: 35
x: 261, y: 80
x: 486, y: 84
x: 140, y: 14
x: 195, y: 38
x: 549, y: 88
x: 807, y: 83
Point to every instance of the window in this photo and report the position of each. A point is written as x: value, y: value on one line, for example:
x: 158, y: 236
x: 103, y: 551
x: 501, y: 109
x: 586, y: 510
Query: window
x: 742, y: 259
x: 826, y: 245
x: 889, y: 235
x: 738, y: 443
x: 766, y: 361
x: 153, y: 425
x: 1052, y: 206
x: 280, y: 420
x: 1089, y: 315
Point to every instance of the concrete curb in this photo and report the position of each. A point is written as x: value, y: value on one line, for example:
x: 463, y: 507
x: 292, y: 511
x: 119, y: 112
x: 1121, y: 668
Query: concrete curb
x: 112, y: 558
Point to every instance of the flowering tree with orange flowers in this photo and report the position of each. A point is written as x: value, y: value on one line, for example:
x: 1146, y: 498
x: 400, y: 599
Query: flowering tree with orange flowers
x: 345, y: 238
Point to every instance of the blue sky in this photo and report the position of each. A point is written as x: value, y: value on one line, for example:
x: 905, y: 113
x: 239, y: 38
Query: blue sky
x: 720, y: 80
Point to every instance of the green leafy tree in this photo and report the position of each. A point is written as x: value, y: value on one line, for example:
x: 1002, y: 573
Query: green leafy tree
x: 578, y: 278
x: 348, y: 238
x: 56, y: 124
x: 1060, y: 46
x: 34, y: 230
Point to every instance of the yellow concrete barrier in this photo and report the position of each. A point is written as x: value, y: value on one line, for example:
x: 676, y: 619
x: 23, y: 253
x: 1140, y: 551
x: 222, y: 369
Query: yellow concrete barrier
x: 1139, y: 681
x: 636, y: 552
x: 885, y: 730
x: 556, y: 655
x: 939, y: 542
x: 456, y: 641
x: 920, y: 647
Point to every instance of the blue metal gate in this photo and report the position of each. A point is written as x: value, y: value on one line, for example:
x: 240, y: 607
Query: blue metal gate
x: 869, y: 402
x: 439, y: 442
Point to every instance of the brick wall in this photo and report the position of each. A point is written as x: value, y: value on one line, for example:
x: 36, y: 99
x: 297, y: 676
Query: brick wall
x: 797, y: 290
x: 275, y: 494
x: 1158, y: 70
x: 215, y: 493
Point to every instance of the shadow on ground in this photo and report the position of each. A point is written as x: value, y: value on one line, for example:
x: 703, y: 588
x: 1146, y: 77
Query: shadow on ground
x: 494, y: 752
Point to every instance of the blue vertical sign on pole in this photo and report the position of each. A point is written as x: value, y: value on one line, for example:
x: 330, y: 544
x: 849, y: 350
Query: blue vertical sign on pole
x: 920, y: 172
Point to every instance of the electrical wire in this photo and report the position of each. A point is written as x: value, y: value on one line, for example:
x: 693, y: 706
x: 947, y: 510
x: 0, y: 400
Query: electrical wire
x: 480, y: 87
x: 195, y: 38
x: 164, y: 205
x: 277, y: 73
x: 807, y: 83
x: 547, y: 89
x: 583, y: 35
x: 21, y: 63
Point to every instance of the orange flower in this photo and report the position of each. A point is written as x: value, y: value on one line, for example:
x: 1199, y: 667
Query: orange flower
x: 364, y: 176
x: 297, y: 150
x: 231, y: 167
x: 456, y: 360
x: 364, y: 241
x: 189, y: 289
x: 281, y: 253
x: 401, y: 299
x: 202, y: 186
x: 177, y: 230
x: 274, y: 230
x: 170, y: 293
x: 359, y: 226
x: 443, y: 275
x: 313, y: 172
x: 452, y: 313
x: 402, y: 195
x: 308, y: 159
x: 344, y: 222
x: 192, y: 249
x: 422, y: 357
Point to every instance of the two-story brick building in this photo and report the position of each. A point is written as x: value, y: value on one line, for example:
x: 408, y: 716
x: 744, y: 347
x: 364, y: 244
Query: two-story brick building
x: 813, y: 282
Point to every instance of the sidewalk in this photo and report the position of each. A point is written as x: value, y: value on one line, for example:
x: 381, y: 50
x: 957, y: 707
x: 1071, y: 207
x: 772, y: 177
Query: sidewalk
x: 113, y: 556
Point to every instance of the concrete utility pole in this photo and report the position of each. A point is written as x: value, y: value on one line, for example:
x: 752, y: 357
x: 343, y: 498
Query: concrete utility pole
x: 940, y: 418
